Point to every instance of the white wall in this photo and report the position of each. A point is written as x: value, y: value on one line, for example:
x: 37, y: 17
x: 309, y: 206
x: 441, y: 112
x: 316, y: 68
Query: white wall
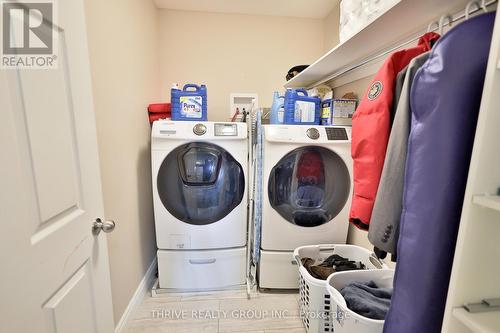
x: 234, y: 53
x: 331, y: 39
x: 357, y: 236
x: 331, y: 28
x: 244, y: 53
x: 136, y: 53
x: 123, y: 43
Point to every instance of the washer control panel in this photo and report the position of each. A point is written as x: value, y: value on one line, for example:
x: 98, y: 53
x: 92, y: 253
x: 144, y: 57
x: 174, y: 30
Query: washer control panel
x: 199, y: 129
x: 225, y: 129
x: 336, y: 133
x: 312, y: 133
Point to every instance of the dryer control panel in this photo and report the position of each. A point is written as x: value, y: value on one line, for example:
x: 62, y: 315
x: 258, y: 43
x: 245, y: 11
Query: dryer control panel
x: 224, y: 129
x: 336, y: 133
x: 166, y: 130
x: 308, y: 134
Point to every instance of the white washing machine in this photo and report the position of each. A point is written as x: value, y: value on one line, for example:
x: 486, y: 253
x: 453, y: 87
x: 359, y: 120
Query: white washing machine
x: 307, y: 185
x: 199, y: 174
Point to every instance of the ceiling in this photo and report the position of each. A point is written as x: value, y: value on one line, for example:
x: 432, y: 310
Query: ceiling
x: 291, y: 8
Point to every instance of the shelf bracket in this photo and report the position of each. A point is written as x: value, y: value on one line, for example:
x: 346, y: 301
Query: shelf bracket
x: 487, y: 305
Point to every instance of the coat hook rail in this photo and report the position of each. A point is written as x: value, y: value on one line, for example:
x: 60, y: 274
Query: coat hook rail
x: 432, y: 27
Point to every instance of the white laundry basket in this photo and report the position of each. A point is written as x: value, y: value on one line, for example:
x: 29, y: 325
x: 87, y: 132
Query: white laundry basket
x: 314, y: 299
x: 343, y: 320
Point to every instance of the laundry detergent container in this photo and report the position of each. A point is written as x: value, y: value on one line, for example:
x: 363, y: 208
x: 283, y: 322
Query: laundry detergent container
x: 300, y: 108
x: 190, y: 103
x: 344, y: 320
x: 314, y: 299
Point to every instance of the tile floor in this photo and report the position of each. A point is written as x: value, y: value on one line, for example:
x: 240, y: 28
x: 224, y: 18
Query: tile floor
x: 223, y: 311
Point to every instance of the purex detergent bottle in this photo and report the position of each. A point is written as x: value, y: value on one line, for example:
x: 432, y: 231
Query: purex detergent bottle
x: 190, y: 103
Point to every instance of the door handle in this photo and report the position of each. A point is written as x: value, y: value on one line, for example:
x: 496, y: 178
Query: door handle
x: 202, y: 261
x: 106, y: 226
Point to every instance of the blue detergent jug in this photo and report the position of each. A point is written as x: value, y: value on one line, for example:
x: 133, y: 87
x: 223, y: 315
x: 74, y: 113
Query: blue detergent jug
x: 300, y: 108
x: 277, y: 109
x: 190, y: 103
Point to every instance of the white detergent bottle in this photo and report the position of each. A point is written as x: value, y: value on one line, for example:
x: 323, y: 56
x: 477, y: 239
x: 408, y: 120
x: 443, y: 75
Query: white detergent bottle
x: 276, y: 108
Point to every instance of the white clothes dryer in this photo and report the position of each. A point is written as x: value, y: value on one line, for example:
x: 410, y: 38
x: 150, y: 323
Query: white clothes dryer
x: 307, y: 190
x: 199, y: 174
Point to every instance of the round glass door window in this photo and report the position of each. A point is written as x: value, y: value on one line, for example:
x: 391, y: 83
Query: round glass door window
x: 200, y: 183
x: 309, y: 186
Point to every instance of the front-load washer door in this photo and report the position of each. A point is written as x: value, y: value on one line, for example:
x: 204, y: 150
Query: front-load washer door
x: 309, y: 186
x: 200, y: 183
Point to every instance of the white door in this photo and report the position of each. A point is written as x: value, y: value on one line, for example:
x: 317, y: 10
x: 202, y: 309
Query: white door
x: 54, y: 274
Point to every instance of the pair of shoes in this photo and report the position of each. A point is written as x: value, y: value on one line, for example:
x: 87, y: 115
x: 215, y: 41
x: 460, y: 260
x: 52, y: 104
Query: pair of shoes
x: 308, y: 263
x: 350, y: 266
x: 322, y: 272
x: 332, y: 264
x: 341, y: 264
x: 334, y: 260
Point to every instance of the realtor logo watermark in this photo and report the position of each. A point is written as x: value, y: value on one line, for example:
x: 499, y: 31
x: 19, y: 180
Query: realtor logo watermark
x: 28, y: 34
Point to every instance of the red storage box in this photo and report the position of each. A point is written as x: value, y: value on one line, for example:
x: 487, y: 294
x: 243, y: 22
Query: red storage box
x: 159, y: 111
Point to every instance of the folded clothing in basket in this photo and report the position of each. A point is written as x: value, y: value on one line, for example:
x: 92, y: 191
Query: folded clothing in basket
x: 367, y: 299
x: 334, y: 263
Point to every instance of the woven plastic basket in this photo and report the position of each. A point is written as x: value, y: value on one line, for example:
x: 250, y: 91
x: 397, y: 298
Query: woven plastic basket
x: 315, y: 303
x: 344, y: 320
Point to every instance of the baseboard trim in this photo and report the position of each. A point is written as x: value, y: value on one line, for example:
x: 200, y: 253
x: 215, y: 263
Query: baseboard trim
x: 141, y: 291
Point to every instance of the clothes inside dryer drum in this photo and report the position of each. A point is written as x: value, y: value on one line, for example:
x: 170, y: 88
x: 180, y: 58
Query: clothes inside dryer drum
x: 309, y: 186
x: 200, y: 183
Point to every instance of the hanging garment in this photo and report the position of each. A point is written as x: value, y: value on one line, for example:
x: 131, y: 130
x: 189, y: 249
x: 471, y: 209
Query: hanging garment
x: 370, y: 130
x: 445, y: 99
x: 398, y: 88
x: 367, y: 299
x: 384, y: 225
